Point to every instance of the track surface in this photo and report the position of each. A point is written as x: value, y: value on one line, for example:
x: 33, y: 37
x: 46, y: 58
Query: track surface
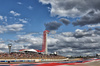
x: 92, y: 62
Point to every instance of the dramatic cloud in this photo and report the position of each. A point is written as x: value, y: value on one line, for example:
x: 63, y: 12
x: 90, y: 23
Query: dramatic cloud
x: 52, y: 25
x: 71, y: 8
x: 92, y: 17
x: 13, y: 27
x: 15, y: 13
x: 81, y: 33
x: 80, y: 42
x: 65, y: 21
x: 72, y: 46
x: 88, y: 13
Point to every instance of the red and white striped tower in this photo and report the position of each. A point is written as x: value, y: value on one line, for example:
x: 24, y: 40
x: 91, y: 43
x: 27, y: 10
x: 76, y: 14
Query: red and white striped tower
x: 44, y: 45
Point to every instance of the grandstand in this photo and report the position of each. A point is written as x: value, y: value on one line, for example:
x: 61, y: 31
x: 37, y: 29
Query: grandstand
x: 29, y: 55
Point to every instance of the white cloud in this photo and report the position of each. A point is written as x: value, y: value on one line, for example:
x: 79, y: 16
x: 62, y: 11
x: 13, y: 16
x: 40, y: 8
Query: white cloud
x: 17, y: 46
x: 97, y: 25
x: 29, y: 39
x: 65, y: 49
x: 53, y: 32
x: 30, y: 7
x: 78, y: 30
x: 2, y: 29
x: 1, y: 17
x: 5, y: 18
x: 23, y: 20
x: 67, y: 34
x: 19, y: 3
x: 3, y: 46
x: 1, y: 51
x: 45, y: 1
x: 13, y: 27
x: 1, y: 40
x: 15, y: 13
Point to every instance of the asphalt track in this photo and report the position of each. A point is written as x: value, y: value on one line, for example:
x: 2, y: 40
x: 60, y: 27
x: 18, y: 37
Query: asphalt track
x: 90, y: 62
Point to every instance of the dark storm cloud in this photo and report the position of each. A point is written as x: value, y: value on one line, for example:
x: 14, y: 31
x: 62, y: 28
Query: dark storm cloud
x: 93, y: 17
x: 97, y: 32
x: 79, y: 33
x: 98, y: 29
x: 82, y: 33
x: 83, y: 45
x: 52, y: 25
x: 87, y: 10
x: 89, y: 29
x: 65, y: 21
x: 91, y: 13
x: 72, y: 8
x: 67, y: 5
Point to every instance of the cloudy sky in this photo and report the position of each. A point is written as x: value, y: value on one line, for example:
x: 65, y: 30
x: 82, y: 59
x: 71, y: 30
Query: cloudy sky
x: 74, y: 25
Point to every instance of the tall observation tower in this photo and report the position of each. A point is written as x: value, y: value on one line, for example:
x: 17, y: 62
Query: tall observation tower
x: 45, y: 45
x: 9, y: 46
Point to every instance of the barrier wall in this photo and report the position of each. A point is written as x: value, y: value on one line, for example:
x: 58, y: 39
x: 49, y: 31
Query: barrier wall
x: 30, y: 60
x: 66, y: 63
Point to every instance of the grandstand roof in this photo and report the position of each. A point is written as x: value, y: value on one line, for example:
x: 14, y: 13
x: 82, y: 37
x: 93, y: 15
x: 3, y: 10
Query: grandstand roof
x: 32, y: 50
